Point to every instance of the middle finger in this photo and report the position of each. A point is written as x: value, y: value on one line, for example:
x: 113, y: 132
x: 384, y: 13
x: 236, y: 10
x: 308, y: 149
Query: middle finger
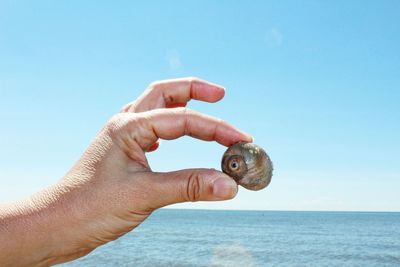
x: 176, y: 93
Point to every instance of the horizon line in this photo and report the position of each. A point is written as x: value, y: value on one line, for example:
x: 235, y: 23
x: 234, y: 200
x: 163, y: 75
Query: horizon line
x: 284, y: 210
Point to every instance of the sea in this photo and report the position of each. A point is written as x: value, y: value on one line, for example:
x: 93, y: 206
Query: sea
x: 179, y: 237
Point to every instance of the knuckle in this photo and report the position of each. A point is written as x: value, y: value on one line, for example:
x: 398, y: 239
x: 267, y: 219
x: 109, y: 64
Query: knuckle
x: 152, y: 84
x: 138, y: 123
x: 192, y: 79
x: 193, y: 188
x: 221, y: 121
x: 139, y: 130
x: 116, y: 124
x: 155, y: 85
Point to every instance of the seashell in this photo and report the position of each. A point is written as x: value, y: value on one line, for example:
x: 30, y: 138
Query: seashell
x: 248, y: 164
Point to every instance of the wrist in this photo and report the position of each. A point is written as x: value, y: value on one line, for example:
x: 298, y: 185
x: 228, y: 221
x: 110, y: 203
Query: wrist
x: 34, y: 232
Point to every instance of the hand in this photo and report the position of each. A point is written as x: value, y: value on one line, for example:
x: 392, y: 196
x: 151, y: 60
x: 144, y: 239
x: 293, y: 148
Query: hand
x: 112, y: 188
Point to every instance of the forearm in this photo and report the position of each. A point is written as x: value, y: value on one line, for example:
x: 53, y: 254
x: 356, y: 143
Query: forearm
x: 34, y: 232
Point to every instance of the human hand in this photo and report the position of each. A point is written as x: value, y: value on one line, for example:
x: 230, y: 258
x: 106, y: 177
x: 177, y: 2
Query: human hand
x: 112, y: 188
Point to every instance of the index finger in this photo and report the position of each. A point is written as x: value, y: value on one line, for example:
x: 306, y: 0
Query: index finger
x: 176, y: 92
x: 173, y: 123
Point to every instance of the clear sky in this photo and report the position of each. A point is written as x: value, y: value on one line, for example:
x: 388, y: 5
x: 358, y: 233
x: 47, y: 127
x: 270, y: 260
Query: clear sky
x: 317, y: 83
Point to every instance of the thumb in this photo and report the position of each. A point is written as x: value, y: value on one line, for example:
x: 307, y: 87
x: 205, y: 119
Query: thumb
x: 190, y: 185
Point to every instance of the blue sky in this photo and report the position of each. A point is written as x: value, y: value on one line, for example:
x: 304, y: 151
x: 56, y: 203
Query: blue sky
x: 317, y: 83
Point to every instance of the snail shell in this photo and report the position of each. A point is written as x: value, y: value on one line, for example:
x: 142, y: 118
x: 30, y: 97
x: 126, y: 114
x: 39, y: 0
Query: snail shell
x: 248, y: 164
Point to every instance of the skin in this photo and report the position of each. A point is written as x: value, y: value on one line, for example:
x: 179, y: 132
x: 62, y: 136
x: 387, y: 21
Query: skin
x: 112, y: 189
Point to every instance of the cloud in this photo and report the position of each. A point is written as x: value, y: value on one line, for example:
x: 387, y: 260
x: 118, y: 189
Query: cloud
x: 174, y: 59
x: 273, y: 37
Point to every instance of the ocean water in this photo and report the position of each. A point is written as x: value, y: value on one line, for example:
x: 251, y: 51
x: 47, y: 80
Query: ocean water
x: 255, y: 238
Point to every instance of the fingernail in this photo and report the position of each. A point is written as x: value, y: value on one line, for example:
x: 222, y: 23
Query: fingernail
x: 249, y: 137
x: 224, y: 188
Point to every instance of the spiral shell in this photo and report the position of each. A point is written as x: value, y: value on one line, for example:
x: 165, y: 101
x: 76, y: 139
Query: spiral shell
x: 248, y: 164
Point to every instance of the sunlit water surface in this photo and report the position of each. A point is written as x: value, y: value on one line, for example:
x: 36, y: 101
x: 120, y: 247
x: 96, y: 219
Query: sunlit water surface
x: 255, y: 238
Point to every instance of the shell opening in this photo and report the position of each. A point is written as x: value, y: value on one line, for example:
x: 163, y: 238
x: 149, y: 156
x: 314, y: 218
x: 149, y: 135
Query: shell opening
x: 234, y: 165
